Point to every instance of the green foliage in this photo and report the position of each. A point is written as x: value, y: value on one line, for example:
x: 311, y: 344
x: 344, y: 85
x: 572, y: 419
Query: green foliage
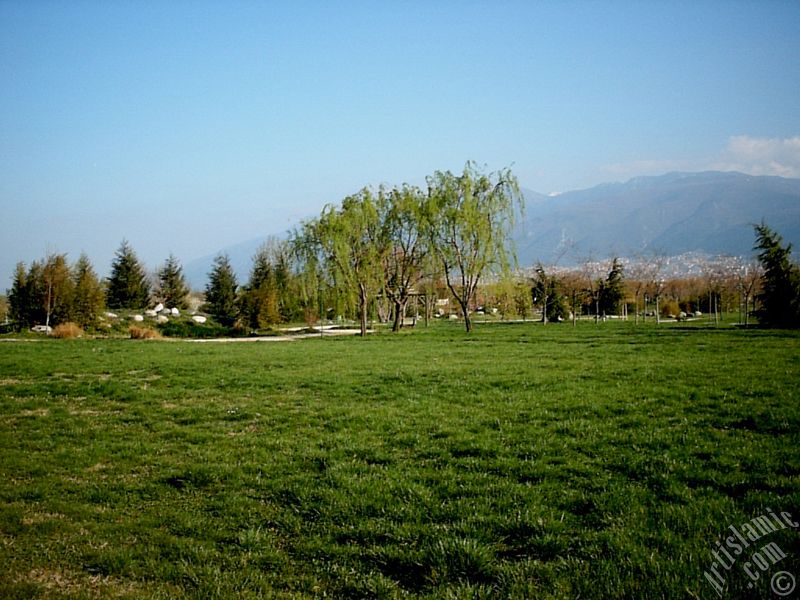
x: 44, y: 294
x: 780, y: 283
x: 88, y: 297
x: 523, y: 301
x: 611, y: 291
x: 347, y: 246
x: 190, y: 329
x: 386, y: 244
x: 669, y: 308
x: 406, y: 260
x: 127, y: 286
x: 468, y: 223
x: 19, y: 297
x: 548, y: 294
x: 532, y: 462
x: 173, y: 290
x: 221, y: 292
x: 58, y: 289
x: 259, y: 300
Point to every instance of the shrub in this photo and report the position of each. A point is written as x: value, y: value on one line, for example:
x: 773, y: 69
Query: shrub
x: 669, y: 308
x: 190, y: 329
x: 143, y: 333
x: 67, y: 331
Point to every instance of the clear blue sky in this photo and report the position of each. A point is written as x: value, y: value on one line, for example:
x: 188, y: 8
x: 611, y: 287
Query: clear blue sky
x: 186, y: 127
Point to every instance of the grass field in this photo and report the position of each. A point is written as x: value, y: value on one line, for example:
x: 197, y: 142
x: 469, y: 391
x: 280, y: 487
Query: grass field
x: 520, y: 461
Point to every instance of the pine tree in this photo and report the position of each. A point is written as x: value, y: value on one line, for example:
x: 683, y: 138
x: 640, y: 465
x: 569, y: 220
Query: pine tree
x: 259, y: 301
x: 546, y: 292
x: 127, y: 286
x: 780, y: 284
x: 88, y: 293
x: 172, y: 288
x: 35, y: 295
x: 18, y: 298
x: 612, y: 290
x: 221, y: 292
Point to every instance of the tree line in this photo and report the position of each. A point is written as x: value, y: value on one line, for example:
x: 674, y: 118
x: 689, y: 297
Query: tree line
x: 377, y: 251
x: 51, y: 291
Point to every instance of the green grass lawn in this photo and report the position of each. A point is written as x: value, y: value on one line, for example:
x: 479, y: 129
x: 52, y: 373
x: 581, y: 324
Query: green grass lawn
x: 518, y: 461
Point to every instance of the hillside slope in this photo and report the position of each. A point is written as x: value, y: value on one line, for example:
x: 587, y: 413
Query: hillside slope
x: 709, y: 212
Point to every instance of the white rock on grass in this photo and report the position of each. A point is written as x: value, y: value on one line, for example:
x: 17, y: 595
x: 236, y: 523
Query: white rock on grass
x: 159, y: 307
x: 138, y: 318
x: 175, y: 312
x: 150, y: 313
x: 199, y: 319
x: 162, y: 319
x: 111, y: 315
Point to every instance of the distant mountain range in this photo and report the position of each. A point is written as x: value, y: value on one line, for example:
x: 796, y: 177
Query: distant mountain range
x: 709, y: 213
x: 706, y: 213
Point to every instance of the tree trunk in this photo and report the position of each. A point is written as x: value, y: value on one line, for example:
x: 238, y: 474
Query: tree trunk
x: 399, y: 314
x: 465, y: 312
x: 544, y: 311
x: 363, y: 305
x: 467, y: 321
x: 716, y: 309
x: 574, y: 309
x: 746, y: 307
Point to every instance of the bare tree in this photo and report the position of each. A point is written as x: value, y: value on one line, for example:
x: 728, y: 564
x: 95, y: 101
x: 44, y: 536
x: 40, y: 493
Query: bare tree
x: 748, y: 277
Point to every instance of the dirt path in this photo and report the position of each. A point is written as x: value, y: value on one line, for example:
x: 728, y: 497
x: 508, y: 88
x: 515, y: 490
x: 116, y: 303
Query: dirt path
x: 266, y: 338
x: 272, y: 338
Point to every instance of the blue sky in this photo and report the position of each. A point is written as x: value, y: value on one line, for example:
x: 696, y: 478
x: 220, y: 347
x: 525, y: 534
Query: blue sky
x: 186, y: 127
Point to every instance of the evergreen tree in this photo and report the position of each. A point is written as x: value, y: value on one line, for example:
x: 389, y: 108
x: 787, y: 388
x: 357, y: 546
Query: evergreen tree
x: 18, y: 298
x: 127, y: 286
x: 259, y: 301
x: 88, y: 293
x: 780, y: 284
x: 221, y: 292
x: 612, y: 290
x: 172, y: 288
x: 547, y: 293
x: 43, y: 294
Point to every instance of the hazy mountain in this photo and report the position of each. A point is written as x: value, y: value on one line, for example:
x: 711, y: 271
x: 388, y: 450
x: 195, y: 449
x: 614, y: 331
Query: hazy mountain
x: 241, y: 256
x: 709, y: 212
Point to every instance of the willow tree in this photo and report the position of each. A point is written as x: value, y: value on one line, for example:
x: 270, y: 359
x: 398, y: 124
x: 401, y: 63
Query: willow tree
x: 350, y: 242
x: 407, y: 248
x: 468, y: 221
